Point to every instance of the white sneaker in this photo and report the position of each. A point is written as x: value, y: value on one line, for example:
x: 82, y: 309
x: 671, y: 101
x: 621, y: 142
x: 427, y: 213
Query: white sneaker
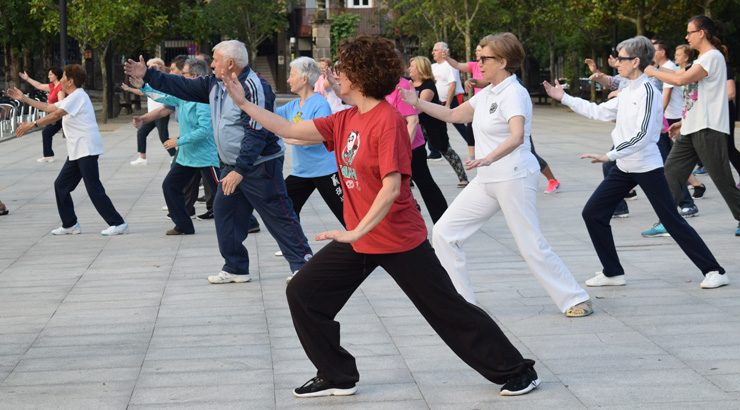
x: 289, y: 278
x: 279, y: 253
x: 714, y: 280
x: 115, y: 230
x: 73, y: 230
x: 138, y: 161
x: 226, y: 277
x: 602, y: 280
x: 165, y: 208
x: 45, y: 159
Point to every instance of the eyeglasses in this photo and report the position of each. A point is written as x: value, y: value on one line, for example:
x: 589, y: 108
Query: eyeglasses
x: 690, y: 32
x: 482, y: 59
x: 620, y: 58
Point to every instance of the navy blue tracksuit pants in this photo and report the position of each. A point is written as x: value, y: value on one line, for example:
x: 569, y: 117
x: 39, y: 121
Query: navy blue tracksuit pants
x: 173, y: 187
x: 263, y: 190
x: 74, y: 171
x: 600, y: 207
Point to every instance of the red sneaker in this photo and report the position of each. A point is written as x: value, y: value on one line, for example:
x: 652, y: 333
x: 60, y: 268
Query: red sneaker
x: 552, y: 186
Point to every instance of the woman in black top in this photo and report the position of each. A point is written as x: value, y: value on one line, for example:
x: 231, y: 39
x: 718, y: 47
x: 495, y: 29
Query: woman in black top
x: 420, y: 69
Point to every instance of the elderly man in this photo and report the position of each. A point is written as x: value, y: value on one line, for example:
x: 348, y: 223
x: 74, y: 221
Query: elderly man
x: 450, y: 90
x: 252, y: 171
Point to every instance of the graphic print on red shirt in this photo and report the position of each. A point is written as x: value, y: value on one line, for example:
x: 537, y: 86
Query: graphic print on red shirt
x: 368, y: 147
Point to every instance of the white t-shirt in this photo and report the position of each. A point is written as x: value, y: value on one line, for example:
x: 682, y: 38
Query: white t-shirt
x: 444, y: 74
x: 458, y: 83
x: 79, y: 125
x: 494, y: 107
x: 675, y: 104
x: 706, y: 106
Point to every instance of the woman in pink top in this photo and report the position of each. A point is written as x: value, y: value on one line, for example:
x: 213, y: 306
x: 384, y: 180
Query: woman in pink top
x: 431, y: 194
x: 54, y: 88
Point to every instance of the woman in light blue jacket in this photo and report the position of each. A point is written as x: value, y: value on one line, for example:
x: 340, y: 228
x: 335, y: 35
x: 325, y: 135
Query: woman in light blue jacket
x: 196, y: 148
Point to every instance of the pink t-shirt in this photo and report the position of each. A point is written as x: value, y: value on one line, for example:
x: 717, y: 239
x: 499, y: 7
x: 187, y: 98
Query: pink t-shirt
x: 394, y: 99
x: 475, y: 71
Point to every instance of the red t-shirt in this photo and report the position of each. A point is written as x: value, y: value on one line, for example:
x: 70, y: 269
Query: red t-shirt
x: 368, y: 147
x: 54, y: 93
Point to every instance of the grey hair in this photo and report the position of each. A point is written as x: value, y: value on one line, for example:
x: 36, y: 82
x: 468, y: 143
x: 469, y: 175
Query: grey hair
x: 307, y: 66
x: 442, y: 45
x: 234, y: 49
x: 198, y: 67
x: 640, y: 47
x: 153, y: 61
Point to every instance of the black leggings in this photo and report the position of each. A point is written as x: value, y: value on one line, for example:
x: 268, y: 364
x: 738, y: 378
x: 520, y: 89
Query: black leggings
x: 164, y: 134
x: 540, y: 160
x: 47, y: 135
x: 329, y: 187
x: 431, y: 194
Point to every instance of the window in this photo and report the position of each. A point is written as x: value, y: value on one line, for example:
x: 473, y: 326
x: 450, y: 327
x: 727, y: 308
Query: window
x: 359, y: 3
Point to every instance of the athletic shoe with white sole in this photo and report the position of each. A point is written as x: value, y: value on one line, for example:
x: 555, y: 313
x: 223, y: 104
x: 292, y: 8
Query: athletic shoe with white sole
x: 226, y: 277
x: 318, y: 387
x: 138, y: 161
x: 714, y: 280
x: 522, y: 384
x: 72, y: 230
x: 602, y: 280
x: 115, y: 230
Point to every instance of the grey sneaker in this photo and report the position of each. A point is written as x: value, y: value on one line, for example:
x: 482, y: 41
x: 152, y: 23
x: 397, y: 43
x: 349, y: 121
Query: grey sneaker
x: 689, y: 211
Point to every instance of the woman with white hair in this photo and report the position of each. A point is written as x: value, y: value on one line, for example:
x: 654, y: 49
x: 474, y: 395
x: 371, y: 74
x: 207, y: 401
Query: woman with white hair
x: 312, y: 167
x: 638, y: 112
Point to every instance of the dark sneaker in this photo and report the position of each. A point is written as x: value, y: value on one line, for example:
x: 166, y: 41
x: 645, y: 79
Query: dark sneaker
x: 522, y: 384
x: 699, y: 191
x: 631, y: 195
x: 201, y: 198
x: 621, y: 214
x: 318, y: 387
x: 254, y: 229
x: 204, y: 216
x: 437, y: 157
x: 689, y: 211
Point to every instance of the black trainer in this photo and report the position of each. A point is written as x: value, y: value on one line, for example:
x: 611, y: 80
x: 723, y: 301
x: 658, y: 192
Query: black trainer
x: 631, y: 195
x: 205, y: 215
x: 522, y: 384
x: 318, y: 387
x: 699, y: 191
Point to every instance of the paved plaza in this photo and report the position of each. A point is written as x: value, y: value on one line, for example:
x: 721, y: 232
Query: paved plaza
x: 130, y: 322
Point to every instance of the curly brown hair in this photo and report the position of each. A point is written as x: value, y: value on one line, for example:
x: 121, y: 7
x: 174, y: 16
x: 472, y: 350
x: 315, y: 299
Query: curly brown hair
x: 371, y: 64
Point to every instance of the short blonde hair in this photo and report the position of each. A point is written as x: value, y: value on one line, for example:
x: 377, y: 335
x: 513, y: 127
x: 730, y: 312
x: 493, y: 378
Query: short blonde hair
x: 506, y: 46
x: 423, y: 66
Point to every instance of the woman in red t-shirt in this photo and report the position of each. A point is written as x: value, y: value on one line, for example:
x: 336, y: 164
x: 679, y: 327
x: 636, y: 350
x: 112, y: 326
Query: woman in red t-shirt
x: 384, y: 228
x: 54, y: 88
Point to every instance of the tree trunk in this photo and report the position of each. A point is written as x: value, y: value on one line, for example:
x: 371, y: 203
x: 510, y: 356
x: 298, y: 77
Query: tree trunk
x: 104, y: 71
x: 15, y: 66
x: 553, y: 69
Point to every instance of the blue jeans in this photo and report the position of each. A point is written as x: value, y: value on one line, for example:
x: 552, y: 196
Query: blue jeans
x: 262, y: 189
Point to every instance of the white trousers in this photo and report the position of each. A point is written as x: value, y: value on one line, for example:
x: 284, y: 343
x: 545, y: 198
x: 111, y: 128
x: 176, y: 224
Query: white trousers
x: 517, y: 199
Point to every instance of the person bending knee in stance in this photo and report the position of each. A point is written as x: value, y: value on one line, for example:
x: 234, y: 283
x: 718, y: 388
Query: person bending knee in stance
x: 371, y: 146
x: 638, y: 113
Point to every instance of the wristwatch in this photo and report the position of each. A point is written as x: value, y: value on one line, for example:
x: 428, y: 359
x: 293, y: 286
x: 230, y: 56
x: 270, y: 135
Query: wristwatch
x: 35, y: 125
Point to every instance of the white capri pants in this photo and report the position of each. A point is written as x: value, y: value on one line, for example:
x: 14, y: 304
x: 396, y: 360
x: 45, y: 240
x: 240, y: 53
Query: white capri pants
x: 517, y: 199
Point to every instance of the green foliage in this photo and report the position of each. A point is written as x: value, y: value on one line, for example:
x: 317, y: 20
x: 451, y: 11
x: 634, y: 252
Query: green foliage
x: 251, y: 21
x: 343, y: 26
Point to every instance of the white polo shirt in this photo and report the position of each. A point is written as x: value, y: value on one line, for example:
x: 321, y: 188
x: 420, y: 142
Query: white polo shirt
x: 79, y: 125
x: 707, y: 104
x: 675, y: 104
x: 494, y: 107
x: 444, y: 74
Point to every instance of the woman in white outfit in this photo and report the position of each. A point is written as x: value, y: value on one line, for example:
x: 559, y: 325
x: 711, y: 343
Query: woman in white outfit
x: 506, y: 181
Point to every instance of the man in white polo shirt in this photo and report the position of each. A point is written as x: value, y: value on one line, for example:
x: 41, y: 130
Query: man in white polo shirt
x: 84, y: 145
x: 450, y: 89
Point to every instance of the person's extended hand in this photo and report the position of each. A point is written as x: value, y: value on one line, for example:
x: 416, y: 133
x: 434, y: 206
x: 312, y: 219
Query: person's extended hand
x: 555, y: 92
x: 135, y: 69
x: 23, y: 75
x: 230, y: 182
x: 23, y: 128
x: 650, y: 71
x: 475, y: 163
x: 234, y: 88
x: 612, y: 61
x: 136, y: 82
x: 339, y: 236
x: 409, y: 96
x: 125, y: 87
x: 592, y: 66
x: 595, y: 158
x: 137, y: 121
x: 612, y: 94
x: 14, y: 93
x: 170, y: 143
x: 674, y: 130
